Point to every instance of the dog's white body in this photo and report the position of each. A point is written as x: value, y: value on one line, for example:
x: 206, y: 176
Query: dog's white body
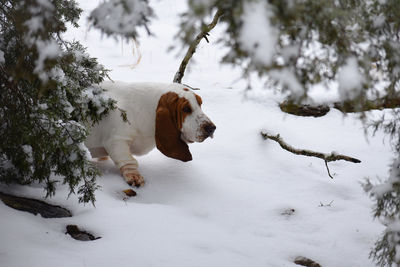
x: 118, y: 139
x: 139, y: 101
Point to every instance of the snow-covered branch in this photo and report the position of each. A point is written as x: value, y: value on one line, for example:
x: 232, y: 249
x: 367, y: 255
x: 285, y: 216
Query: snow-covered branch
x: 121, y: 17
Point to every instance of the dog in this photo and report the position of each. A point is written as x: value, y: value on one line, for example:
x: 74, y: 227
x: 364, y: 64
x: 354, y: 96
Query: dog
x: 166, y: 116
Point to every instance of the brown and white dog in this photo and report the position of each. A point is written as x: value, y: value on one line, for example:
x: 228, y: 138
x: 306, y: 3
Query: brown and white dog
x: 168, y: 116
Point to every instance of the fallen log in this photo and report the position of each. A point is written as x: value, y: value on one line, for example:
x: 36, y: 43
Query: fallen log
x: 308, y: 110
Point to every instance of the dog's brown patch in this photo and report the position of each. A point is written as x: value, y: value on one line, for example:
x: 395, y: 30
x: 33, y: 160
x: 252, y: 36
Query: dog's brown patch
x: 199, y: 100
x: 170, y: 116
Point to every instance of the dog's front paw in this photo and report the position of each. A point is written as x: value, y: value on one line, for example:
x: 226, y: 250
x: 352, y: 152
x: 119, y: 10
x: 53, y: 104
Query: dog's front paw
x: 132, y: 175
x: 134, y: 179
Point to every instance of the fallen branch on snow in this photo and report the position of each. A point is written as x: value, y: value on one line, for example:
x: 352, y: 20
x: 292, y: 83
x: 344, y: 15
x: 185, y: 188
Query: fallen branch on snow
x: 325, y: 157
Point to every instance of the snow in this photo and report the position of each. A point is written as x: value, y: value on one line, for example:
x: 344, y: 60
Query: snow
x: 2, y: 59
x: 34, y: 24
x: 58, y: 74
x: 93, y: 93
x: 28, y: 151
x: 46, y: 49
x: 46, y: 4
x: 258, y: 41
x: 350, y: 80
x: 289, y: 81
x: 232, y: 205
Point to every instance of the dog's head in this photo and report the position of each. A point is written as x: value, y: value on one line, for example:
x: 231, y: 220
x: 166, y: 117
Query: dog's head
x: 179, y: 121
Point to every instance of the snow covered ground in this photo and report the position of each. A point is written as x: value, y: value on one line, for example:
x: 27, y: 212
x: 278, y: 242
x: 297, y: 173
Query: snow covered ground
x: 233, y: 204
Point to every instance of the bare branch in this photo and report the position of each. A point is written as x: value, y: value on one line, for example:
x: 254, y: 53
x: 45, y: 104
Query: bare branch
x: 304, y: 152
x: 192, y: 48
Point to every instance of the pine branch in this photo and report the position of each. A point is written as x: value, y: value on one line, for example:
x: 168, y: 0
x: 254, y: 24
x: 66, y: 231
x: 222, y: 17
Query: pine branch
x: 304, y: 152
x: 192, y: 48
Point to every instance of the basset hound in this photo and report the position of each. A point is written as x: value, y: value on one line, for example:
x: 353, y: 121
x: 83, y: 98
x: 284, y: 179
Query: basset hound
x: 168, y: 116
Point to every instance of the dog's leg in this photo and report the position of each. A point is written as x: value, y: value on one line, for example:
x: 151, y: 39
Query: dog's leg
x: 119, y: 152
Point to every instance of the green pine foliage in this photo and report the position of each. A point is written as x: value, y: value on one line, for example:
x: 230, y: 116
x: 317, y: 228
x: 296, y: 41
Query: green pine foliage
x: 314, y: 40
x: 49, y: 96
x: 386, y: 196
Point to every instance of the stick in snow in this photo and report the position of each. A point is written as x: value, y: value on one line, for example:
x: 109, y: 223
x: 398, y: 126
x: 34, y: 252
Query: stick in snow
x: 325, y: 157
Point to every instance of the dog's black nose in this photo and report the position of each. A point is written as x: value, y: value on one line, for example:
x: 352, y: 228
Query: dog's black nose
x: 209, y: 128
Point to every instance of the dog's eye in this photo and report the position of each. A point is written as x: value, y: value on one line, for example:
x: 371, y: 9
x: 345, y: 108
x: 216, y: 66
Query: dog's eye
x: 187, y: 109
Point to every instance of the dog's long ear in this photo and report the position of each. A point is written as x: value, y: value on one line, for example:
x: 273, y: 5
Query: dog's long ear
x: 168, y: 134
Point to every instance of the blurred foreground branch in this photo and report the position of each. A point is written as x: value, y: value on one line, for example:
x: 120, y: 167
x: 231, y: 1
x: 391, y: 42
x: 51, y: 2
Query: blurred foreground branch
x: 325, y: 157
x: 345, y: 107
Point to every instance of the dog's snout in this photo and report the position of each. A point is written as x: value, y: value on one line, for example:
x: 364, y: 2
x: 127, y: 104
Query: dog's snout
x: 209, y: 128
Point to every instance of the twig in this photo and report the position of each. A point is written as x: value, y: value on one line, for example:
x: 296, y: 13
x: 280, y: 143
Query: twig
x: 192, y: 48
x: 326, y: 157
x: 139, y: 55
x: 327, y: 168
x: 192, y: 88
x: 325, y: 205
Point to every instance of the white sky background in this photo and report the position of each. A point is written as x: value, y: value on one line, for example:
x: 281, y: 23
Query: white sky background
x: 227, y: 207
